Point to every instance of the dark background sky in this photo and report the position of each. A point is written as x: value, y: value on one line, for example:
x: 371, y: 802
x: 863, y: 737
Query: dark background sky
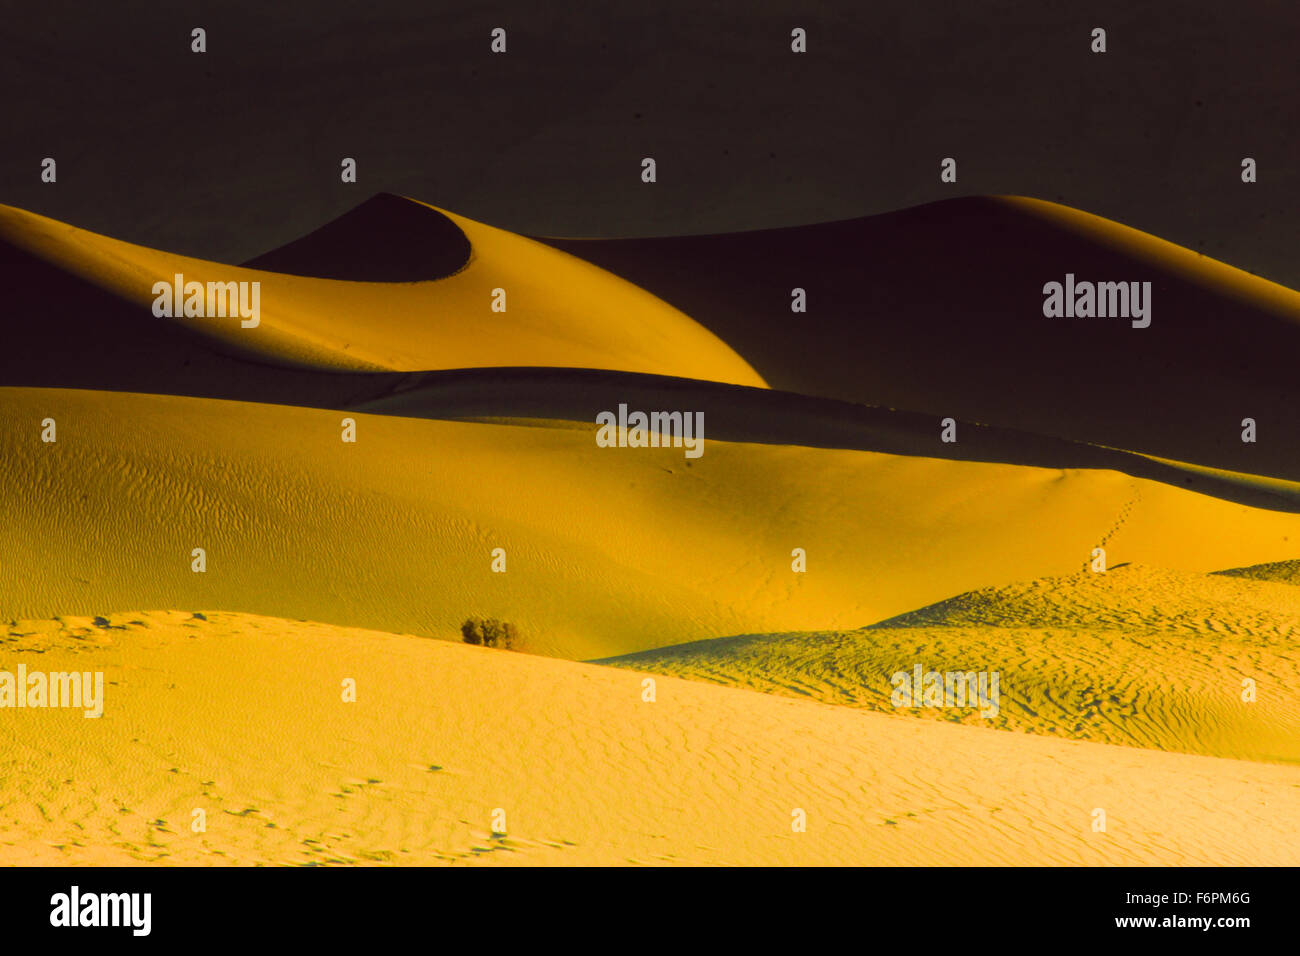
x: 226, y: 154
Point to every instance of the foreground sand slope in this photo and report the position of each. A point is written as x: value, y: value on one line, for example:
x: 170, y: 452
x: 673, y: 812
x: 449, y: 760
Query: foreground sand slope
x: 1136, y: 656
x: 243, y: 718
x: 608, y: 550
x: 559, y: 311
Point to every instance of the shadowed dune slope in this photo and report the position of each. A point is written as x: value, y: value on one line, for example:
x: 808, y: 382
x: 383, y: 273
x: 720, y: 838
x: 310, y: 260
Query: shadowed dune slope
x: 241, y: 715
x: 385, y: 239
x: 550, y: 397
x: 109, y: 346
x: 560, y: 311
x: 609, y: 550
x: 1138, y: 656
x: 66, y: 332
x: 938, y: 309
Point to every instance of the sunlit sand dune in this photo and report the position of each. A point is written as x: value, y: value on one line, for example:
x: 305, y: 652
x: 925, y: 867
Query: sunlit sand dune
x: 553, y: 310
x: 1137, y: 656
x: 607, y: 551
x: 226, y: 739
x: 939, y: 309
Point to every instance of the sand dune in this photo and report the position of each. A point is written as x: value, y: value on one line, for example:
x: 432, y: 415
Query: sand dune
x: 242, y: 717
x: 908, y: 345
x: 938, y: 309
x: 609, y: 551
x: 560, y: 311
x: 1137, y: 656
x: 475, y: 432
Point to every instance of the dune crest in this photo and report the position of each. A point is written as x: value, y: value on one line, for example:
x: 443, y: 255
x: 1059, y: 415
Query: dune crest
x: 385, y: 239
x: 550, y: 308
x: 1126, y: 596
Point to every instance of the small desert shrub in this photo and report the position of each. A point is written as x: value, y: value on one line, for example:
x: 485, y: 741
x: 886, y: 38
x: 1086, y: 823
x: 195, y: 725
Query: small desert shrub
x: 489, y: 632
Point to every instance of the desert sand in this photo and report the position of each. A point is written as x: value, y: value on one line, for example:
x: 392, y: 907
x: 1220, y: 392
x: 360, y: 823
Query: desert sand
x: 242, y: 717
x: 1086, y: 657
x: 607, y: 551
x: 326, y: 560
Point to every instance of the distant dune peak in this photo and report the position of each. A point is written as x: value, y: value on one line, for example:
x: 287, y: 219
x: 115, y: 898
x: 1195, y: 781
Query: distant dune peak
x: 385, y: 239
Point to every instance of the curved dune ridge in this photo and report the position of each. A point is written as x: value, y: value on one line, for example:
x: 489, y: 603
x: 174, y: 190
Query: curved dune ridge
x: 242, y: 717
x: 385, y: 239
x: 1137, y: 656
x: 939, y: 309
x: 560, y: 311
x: 609, y: 551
